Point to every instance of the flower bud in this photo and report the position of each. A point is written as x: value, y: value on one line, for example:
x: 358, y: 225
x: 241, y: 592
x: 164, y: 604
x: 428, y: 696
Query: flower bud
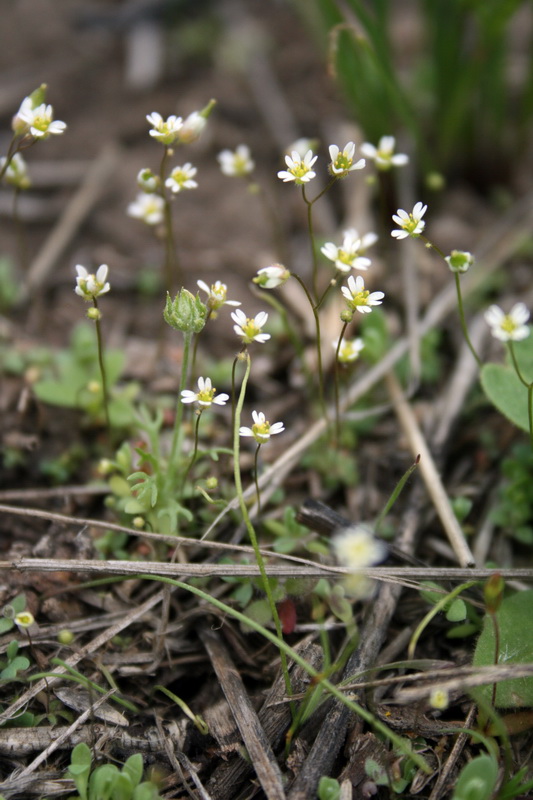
x: 65, y: 636
x: 346, y: 315
x: 493, y: 593
x: 94, y: 314
x: 193, y: 126
x: 148, y: 181
x: 19, y: 125
x: 459, y: 260
x: 185, y: 313
x: 273, y: 276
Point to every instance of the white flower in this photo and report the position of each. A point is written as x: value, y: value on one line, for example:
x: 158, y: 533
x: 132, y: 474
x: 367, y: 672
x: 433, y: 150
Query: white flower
x: 356, y: 548
x: 273, y: 276
x: 250, y: 329
x: 359, y: 298
x: 343, y: 163
x: 16, y: 173
x: 411, y: 224
x: 349, y: 256
x: 383, y: 155
x: 182, y: 178
x: 236, y: 164
x: 216, y: 295
x: 349, y: 349
x: 302, y: 145
x: 90, y: 286
x: 164, y: 131
x: 439, y: 699
x: 508, y: 327
x: 205, y: 396
x: 39, y: 120
x: 148, y: 207
x: 192, y: 128
x: 299, y: 169
x: 261, y: 430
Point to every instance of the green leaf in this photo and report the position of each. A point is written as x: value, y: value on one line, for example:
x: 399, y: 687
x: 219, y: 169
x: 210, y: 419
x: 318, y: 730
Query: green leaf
x: 457, y: 611
x: 477, y: 779
x: 19, y: 663
x: 505, y: 391
x: 516, y: 647
x: 134, y: 769
x: 328, y: 789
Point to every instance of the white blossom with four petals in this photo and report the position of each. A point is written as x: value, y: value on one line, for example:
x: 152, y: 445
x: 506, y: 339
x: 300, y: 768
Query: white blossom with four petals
x: 164, y: 131
x: 342, y: 162
x: 358, y: 298
x: 182, y: 178
x: 39, y: 120
x: 383, y: 155
x: 90, y: 285
x: 511, y: 327
x: 216, y: 295
x: 205, y: 396
x: 411, y: 224
x: 147, y: 207
x: 238, y: 163
x: 350, y: 254
x: 261, y: 430
x: 250, y: 329
x: 298, y: 169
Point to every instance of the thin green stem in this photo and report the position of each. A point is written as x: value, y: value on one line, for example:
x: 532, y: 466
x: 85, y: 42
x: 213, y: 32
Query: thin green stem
x: 11, y: 150
x: 336, y: 374
x: 318, y: 347
x: 100, y: 345
x: 177, y: 436
x: 195, y: 451
x: 529, y: 387
x: 250, y: 527
x: 173, y: 273
x: 256, y: 478
x: 318, y: 677
x: 462, y: 319
x: 310, y: 228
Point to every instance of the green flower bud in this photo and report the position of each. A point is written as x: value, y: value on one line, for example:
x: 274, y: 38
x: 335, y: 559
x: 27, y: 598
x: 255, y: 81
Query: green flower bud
x: 94, y: 314
x: 185, y: 313
x: 347, y: 315
x: 65, y: 636
x: 459, y: 260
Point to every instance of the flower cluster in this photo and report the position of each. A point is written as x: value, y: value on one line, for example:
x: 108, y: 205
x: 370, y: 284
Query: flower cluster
x: 37, y: 120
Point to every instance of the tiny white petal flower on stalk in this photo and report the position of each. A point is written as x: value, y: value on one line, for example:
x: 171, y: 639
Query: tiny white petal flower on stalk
x: 216, y: 295
x: 236, y: 164
x: 271, y: 277
x: 205, y: 396
x: 349, y: 350
x: 40, y: 120
x: 383, y: 155
x: 357, y: 548
x: 90, y: 286
x: 147, y: 207
x: 24, y: 619
x: 182, y: 178
x: 164, y: 131
x: 411, y: 224
x: 358, y: 298
x: 261, y: 430
x: 342, y: 162
x: 250, y: 329
x: 17, y: 172
x: 509, y: 327
x: 299, y: 169
x: 349, y: 256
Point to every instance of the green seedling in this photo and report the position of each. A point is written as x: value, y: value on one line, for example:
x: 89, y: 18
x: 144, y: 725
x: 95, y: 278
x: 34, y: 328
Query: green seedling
x: 108, y: 782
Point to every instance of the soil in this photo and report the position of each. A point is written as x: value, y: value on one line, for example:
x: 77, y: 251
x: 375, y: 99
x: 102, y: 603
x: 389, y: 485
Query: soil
x: 271, y: 84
